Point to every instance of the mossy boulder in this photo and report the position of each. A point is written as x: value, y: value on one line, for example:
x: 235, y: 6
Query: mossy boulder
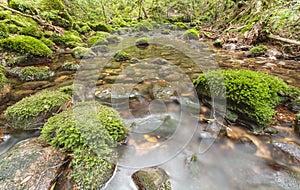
x: 68, y: 39
x: 152, y: 178
x: 82, y: 53
x: 103, y: 38
x: 181, y: 26
x: 122, y: 56
x: 251, y: 95
x: 32, y: 73
x: 191, y: 34
x: 143, y: 26
x: 100, y: 26
x: 32, y: 111
x: 257, y: 51
x: 48, y: 42
x: 33, y: 31
x: 26, y: 45
x: 142, y: 42
x: 4, y: 31
x: 91, y: 138
x: 100, y: 48
x: 70, y: 66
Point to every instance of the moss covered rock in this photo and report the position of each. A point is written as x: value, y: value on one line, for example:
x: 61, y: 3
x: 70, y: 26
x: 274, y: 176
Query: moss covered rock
x: 100, y: 26
x: 257, y: 51
x: 103, y: 38
x: 4, y: 31
x: 91, y: 137
x: 142, y: 42
x: 143, y: 26
x: 82, y: 52
x: 181, y: 26
x: 70, y: 66
x: 252, y: 95
x: 191, y: 34
x: 68, y: 39
x: 31, y: 73
x: 122, y: 56
x: 152, y: 178
x: 32, y: 111
x: 25, y: 44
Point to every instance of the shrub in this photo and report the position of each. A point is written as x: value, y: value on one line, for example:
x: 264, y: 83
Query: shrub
x: 25, y: 44
x: 32, y: 111
x: 251, y: 94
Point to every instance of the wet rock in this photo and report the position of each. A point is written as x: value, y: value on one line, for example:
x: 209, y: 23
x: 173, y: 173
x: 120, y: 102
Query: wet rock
x: 273, y: 54
x: 295, y: 105
x: 30, y: 166
x: 31, y: 73
x: 159, y: 61
x: 82, y: 53
x: 218, y: 43
x: 162, y: 90
x: 142, y: 42
x: 288, y: 152
x: 151, y: 179
x: 122, y: 56
x: 33, y: 85
x: 70, y: 66
x: 100, y: 48
x: 4, y: 92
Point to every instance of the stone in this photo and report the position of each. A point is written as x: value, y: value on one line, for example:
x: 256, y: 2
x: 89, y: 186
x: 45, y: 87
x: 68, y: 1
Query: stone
x: 82, y: 53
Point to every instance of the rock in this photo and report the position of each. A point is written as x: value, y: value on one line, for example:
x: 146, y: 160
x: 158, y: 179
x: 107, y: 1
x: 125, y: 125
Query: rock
x: 142, y: 42
x: 159, y: 61
x: 297, y: 124
x: 257, y: 51
x: 100, y: 48
x: 32, y: 111
x: 152, y: 179
x: 122, y: 56
x: 191, y: 34
x: 31, y: 73
x: 70, y: 66
x: 29, y: 165
x: 33, y: 85
x: 254, y: 106
x: 218, y: 43
x: 82, y: 53
x: 273, y: 54
x: 295, y: 105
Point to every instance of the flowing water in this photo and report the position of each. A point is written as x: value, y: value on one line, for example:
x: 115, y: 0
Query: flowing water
x: 168, y: 126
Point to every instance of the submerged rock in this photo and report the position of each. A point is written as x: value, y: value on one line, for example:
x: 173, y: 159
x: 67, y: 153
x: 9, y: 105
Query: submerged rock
x: 29, y: 165
x: 152, y: 179
x: 82, y: 53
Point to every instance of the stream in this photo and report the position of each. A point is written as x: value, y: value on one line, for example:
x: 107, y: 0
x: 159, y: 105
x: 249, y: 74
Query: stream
x: 154, y: 94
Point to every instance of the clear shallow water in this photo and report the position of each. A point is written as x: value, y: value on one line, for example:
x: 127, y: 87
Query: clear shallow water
x: 160, y: 107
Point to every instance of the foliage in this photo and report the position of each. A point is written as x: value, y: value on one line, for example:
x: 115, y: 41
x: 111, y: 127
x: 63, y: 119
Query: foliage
x: 3, y: 79
x: 191, y: 34
x: 33, y: 110
x: 25, y: 44
x: 32, y: 73
x: 255, y: 93
x: 122, y: 56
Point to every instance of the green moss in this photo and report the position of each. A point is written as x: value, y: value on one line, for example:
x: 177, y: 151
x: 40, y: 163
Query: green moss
x: 90, y: 138
x: 122, y: 56
x: 31, y: 111
x: 181, y: 26
x: 143, y: 26
x: 70, y: 66
x: 142, y: 42
x: 5, y: 15
x: 48, y: 42
x: 21, y: 5
x: 257, y: 51
x: 253, y: 95
x: 25, y: 44
x: 191, y: 34
x: 69, y: 39
x: 67, y: 90
x: 84, y: 29
x: 12, y: 28
x: 100, y: 27
x: 97, y: 40
x: 3, y: 79
x: 32, y: 73
x: 4, y: 32
x: 82, y: 52
x: 103, y: 38
x: 33, y: 31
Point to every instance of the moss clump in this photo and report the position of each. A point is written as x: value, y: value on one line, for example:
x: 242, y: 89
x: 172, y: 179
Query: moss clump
x: 191, y: 34
x: 69, y: 39
x: 257, y: 51
x: 25, y: 44
x: 82, y: 53
x: 84, y: 29
x: 142, y: 42
x: 144, y: 26
x: 3, y: 79
x: 253, y: 95
x: 32, y: 73
x: 5, y: 15
x: 103, y: 38
x: 4, y: 32
x: 100, y: 27
x: 33, y: 31
x: 32, y: 111
x: 67, y: 90
x: 70, y: 66
x: 100, y: 48
x: 48, y: 42
x: 122, y: 56
x: 90, y: 138
x: 181, y: 26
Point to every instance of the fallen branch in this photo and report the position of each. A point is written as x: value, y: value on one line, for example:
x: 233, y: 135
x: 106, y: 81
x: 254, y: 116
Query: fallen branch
x: 275, y: 37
